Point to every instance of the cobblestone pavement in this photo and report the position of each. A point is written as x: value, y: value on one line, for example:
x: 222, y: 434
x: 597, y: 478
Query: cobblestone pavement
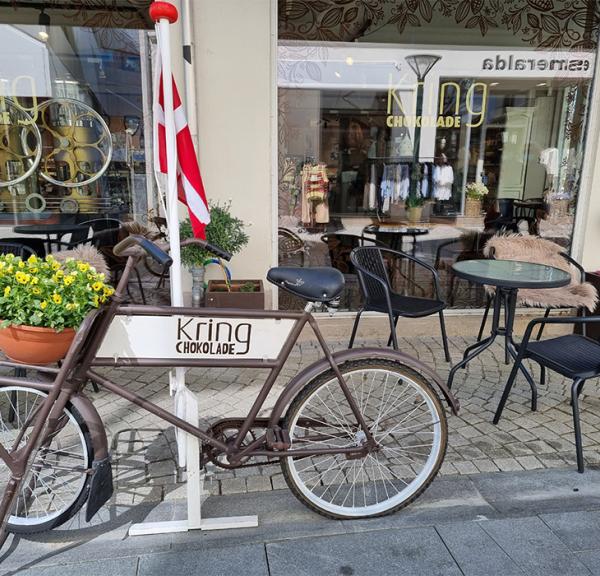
x: 144, y: 451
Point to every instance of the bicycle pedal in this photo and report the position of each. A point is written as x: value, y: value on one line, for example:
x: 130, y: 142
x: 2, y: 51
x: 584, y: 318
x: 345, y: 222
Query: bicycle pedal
x: 278, y: 438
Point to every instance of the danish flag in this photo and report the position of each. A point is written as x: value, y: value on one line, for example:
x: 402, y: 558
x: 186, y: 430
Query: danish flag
x: 190, y: 189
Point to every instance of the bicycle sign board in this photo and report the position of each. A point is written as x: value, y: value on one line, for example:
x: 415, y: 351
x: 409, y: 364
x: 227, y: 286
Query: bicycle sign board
x: 188, y: 337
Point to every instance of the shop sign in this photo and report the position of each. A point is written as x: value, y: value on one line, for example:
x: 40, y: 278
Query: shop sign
x: 188, y: 337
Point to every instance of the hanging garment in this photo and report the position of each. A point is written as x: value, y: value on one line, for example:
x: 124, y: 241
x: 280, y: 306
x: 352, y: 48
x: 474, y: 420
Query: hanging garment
x: 315, y: 186
x: 425, y: 181
x: 404, y: 181
x: 443, y: 179
x: 549, y: 160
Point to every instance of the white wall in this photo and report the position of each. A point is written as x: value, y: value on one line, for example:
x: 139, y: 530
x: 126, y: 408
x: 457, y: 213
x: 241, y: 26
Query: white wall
x: 233, y: 64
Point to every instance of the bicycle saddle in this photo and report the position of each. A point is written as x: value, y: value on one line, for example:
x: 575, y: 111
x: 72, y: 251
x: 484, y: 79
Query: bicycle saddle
x: 317, y: 284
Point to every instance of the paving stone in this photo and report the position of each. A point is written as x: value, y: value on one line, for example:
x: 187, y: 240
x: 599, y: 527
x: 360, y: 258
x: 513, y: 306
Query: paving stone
x: 466, y: 467
x: 475, y: 551
x: 258, y: 483
x: 398, y: 552
x: 534, y: 547
x: 529, y: 462
x: 507, y: 464
x: 233, y: 485
x: 248, y: 560
x: 578, y: 530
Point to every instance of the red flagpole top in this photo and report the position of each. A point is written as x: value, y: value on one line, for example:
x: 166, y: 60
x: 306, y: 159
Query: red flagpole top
x: 163, y: 10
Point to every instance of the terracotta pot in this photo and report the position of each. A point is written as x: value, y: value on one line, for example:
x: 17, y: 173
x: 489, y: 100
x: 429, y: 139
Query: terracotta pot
x: 415, y: 214
x: 472, y: 208
x: 35, y: 345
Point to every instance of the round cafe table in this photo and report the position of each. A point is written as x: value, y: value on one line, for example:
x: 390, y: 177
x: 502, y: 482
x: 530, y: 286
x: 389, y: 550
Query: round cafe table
x: 507, y: 276
x: 394, y: 236
x: 53, y: 232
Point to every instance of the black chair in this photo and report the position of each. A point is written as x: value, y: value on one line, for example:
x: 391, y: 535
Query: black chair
x: 371, y: 264
x: 16, y: 248
x: 38, y: 245
x: 573, y: 356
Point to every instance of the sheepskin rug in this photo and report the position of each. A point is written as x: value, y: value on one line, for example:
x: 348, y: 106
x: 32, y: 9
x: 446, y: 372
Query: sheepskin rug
x: 87, y: 254
x: 541, y: 251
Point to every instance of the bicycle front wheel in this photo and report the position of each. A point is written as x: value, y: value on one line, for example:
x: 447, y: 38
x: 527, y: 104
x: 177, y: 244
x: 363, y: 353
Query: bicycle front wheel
x: 58, y: 481
x: 406, y: 418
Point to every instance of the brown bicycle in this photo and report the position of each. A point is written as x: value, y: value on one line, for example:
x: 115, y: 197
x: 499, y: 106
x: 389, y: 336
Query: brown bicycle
x: 359, y: 433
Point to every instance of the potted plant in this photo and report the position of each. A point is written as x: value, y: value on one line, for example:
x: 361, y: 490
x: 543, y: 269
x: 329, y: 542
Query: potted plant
x: 414, y: 207
x: 227, y: 232
x: 475, y: 192
x: 42, y: 302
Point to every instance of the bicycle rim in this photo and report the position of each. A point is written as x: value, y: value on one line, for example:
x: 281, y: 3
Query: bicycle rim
x: 57, y: 473
x: 406, y: 419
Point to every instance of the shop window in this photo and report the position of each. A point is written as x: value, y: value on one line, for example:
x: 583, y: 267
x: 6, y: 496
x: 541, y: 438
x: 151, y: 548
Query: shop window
x: 383, y: 102
x: 74, y: 111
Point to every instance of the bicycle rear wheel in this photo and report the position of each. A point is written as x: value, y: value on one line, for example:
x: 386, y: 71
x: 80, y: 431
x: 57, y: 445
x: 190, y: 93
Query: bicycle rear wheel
x: 402, y: 412
x: 57, y: 484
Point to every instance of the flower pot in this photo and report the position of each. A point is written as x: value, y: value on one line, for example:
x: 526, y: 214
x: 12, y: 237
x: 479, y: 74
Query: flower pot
x: 415, y: 214
x: 472, y: 208
x: 218, y: 296
x: 34, y: 344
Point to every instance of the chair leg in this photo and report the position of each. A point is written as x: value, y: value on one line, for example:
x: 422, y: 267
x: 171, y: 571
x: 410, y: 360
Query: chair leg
x: 393, y: 336
x: 541, y: 330
x: 141, y: 287
x: 542, y: 375
x: 488, y: 305
x: 389, y: 342
x: 354, y: 328
x: 509, y: 384
x: 444, y: 337
x: 575, y: 391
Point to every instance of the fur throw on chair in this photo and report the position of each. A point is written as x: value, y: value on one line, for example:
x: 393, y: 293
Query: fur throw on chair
x: 540, y: 251
x: 87, y: 254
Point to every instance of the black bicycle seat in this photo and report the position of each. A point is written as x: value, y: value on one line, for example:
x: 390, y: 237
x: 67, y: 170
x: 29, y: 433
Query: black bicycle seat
x: 317, y: 284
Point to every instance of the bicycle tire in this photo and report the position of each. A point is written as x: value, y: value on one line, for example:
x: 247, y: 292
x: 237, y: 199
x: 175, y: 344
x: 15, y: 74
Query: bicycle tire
x: 388, y: 475
x: 78, y: 431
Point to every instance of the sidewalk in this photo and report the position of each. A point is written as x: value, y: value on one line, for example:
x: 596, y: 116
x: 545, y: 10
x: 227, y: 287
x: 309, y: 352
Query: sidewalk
x: 544, y: 522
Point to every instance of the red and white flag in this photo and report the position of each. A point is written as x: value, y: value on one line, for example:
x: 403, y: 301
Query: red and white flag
x: 190, y: 189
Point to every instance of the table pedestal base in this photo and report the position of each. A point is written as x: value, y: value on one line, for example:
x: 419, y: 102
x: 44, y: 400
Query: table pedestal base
x: 506, y: 297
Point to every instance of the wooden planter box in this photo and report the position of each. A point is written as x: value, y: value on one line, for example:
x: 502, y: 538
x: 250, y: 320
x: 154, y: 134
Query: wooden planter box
x: 217, y: 295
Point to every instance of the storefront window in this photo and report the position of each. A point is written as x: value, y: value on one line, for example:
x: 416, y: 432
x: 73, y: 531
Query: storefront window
x: 400, y: 114
x: 74, y: 112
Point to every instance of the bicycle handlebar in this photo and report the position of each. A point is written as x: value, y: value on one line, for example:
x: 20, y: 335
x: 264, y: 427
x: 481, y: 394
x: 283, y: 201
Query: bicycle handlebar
x: 150, y: 247
x: 208, y: 247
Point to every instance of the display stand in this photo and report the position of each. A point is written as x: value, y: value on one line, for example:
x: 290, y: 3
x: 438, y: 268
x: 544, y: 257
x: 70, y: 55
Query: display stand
x: 164, y: 14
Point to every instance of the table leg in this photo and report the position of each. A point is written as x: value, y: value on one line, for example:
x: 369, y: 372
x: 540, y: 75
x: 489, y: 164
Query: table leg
x: 479, y: 347
x: 511, y: 349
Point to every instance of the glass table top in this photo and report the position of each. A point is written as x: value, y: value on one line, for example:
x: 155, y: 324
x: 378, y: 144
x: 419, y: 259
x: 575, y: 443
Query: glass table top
x: 386, y: 229
x: 511, y: 274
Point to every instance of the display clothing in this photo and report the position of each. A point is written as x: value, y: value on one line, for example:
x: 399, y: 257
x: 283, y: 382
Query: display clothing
x: 315, y: 188
x: 443, y: 179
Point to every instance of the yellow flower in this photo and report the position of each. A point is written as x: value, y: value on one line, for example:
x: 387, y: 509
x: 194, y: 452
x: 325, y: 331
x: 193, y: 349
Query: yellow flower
x: 22, y: 278
x: 95, y: 300
x: 70, y: 306
x: 68, y: 280
x: 9, y: 257
x: 55, y: 265
x: 83, y: 266
x: 10, y: 269
x: 6, y: 291
x: 21, y: 264
x: 35, y: 290
x: 35, y: 280
x: 32, y: 259
x: 56, y: 298
x: 43, y: 305
x: 97, y: 286
x: 108, y: 291
x: 2, y: 265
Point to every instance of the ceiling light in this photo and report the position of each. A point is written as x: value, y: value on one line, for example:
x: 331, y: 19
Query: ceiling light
x: 542, y: 84
x: 43, y: 20
x: 494, y: 83
x: 338, y: 74
x: 349, y: 60
x: 43, y: 35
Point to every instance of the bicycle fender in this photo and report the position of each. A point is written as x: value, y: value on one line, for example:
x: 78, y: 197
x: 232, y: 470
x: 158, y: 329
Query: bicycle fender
x: 310, y: 372
x: 85, y: 407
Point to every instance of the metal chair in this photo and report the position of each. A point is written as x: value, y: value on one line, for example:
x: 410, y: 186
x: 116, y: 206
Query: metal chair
x: 573, y: 356
x: 371, y: 264
x: 16, y: 248
x: 291, y: 246
x: 38, y: 245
